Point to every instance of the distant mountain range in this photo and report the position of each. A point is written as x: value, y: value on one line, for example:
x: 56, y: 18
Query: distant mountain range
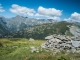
x: 43, y: 30
x: 3, y: 27
x: 19, y: 22
x: 20, y: 26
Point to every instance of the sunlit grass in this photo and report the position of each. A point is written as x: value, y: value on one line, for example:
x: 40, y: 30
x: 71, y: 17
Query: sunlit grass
x: 19, y: 49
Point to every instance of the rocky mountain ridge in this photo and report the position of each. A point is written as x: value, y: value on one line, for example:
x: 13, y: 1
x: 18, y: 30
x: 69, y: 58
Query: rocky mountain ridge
x: 19, y: 22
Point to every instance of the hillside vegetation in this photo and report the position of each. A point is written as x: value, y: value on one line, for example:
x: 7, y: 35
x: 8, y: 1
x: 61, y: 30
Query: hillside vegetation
x: 41, y: 31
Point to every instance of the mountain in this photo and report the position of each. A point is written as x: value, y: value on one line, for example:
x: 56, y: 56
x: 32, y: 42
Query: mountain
x: 41, y: 31
x: 77, y: 23
x: 19, y: 22
x: 3, y: 27
x: 20, y: 27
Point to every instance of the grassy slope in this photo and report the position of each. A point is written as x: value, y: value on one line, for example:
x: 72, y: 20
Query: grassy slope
x: 19, y: 49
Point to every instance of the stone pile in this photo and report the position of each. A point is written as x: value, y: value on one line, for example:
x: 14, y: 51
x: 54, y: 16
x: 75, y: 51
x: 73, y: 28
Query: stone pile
x: 60, y: 42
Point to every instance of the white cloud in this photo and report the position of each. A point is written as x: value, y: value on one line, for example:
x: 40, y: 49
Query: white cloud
x: 75, y: 17
x: 1, y: 9
x: 21, y: 10
x: 49, y: 11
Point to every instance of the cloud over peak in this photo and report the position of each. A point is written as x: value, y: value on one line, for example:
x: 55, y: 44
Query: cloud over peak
x: 21, y: 10
x: 75, y: 17
x: 1, y: 9
x: 49, y: 11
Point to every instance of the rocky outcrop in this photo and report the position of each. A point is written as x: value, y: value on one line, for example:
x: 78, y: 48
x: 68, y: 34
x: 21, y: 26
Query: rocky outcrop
x: 60, y: 42
x: 75, y: 30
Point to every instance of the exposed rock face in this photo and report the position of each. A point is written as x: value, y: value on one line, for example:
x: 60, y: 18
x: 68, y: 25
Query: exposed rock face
x: 75, y: 31
x: 60, y: 42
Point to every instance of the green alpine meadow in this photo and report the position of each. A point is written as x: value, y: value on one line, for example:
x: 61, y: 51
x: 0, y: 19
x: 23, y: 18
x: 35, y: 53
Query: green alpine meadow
x: 20, y: 49
x: 39, y: 29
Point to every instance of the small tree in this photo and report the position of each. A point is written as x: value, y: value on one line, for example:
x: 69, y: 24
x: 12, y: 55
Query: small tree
x: 61, y: 58
x: 68, y: 33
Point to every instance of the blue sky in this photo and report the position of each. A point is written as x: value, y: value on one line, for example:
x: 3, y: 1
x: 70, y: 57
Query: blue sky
x: 65, y: 7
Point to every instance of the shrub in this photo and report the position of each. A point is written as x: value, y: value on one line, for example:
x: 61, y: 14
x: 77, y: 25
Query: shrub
x: 62, y: 58
x: 1, y: 44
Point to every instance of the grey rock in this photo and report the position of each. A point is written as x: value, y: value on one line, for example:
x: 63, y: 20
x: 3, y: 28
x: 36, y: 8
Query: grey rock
x: 60, y: 43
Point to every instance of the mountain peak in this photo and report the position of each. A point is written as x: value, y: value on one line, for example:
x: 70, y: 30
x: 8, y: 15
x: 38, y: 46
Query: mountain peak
x: 18, y: 16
